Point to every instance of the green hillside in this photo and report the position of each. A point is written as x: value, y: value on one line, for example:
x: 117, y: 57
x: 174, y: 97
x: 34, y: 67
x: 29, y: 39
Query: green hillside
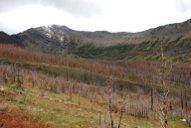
x: 176, y: 49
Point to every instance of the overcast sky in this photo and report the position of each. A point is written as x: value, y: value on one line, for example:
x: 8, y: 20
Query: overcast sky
x: 92, y: 15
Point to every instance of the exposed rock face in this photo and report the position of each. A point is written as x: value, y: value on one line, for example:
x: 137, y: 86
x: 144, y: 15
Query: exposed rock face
x: 4, y: 38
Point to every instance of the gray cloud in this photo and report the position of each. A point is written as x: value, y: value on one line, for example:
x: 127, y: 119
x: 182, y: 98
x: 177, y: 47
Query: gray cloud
x: 183, y: 5
x: 83, y: 8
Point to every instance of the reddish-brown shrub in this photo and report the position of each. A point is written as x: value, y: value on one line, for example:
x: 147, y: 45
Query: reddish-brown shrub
x: 10, y: 119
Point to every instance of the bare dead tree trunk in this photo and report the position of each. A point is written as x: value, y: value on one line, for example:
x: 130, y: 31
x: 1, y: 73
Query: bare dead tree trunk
x: 165, y: 109
x: 181, y: 101
x: 163, y: 72
x: 79, y: 98
x: 111, y: 112
x: 171, y: 110
x: 152, y: 98
x: 110, y: 93
x: 186, y: 103
x: 122, y: 110
x: 162, y: 110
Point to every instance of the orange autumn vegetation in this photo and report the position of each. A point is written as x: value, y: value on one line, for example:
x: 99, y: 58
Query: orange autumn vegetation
x: 132, y: 70
x: 13, y: 52
x: 11, y: 119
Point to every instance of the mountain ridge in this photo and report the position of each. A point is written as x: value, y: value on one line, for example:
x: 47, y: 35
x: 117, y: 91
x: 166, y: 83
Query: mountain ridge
x: 60, y: 38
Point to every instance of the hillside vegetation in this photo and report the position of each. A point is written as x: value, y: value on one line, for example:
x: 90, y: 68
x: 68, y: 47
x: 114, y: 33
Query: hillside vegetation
x: 176, y: 49
x: 62, y: 91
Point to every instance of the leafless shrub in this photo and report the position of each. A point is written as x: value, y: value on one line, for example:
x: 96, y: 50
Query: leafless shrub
x: 139, y: 109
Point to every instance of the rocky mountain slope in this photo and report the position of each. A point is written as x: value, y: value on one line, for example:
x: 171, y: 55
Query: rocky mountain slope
x: 56, y: 38
x: 5, y: 38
